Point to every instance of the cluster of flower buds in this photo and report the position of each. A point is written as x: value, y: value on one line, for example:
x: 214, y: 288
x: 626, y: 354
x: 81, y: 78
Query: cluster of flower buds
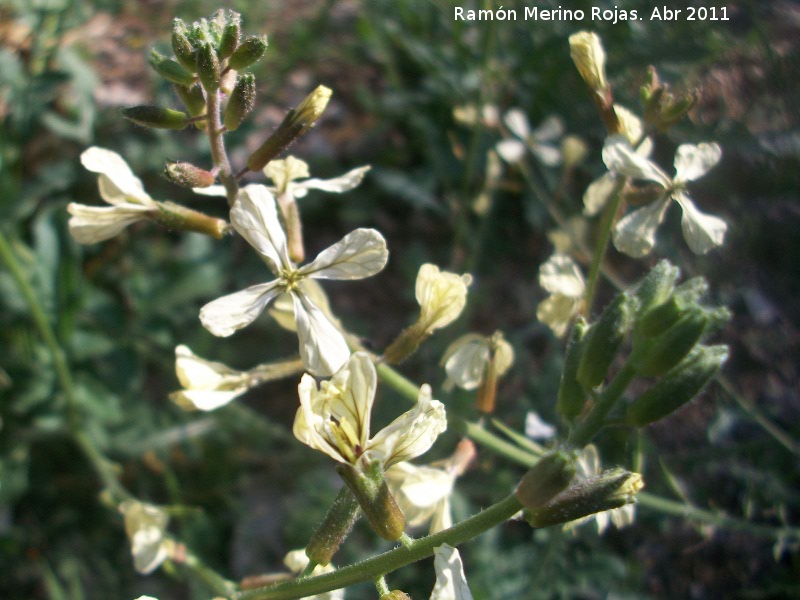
x: 662, y: 107
x: 667, y: 323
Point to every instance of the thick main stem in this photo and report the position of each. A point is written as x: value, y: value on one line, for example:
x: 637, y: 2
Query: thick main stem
x: 218, y: 154
x: 602, y: 244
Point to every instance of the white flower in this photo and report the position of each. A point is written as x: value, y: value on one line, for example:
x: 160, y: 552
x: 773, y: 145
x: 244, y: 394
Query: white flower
x: 208, y: 385
x: 145, y: 526
x: 467, y: 359
x: 539, y: 141
x: 359, y: 254
x: 635, y: 233
x: 296, y: 561
x: 588, y: 465
x: 441, y: 296
x: 469, y: 115
x: 335, y: 418
x: 562, y: 278
x: 451, y: 583
x: 423, y: 494
x: 587, y: 53
x: 284, y: 174
x: 120, y: 188
x: 536, y: 428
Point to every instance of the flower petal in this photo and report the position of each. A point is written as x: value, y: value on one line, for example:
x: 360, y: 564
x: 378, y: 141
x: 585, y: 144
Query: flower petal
x: 197, y: 373
x: 598, y: 194
x: 466, y: 359
x: 701, y: 231
x: 255, y: 216
x: 117, y: 182
x: 451, y: 583
x: 206, y: 400
x: 309, y: 421
x: 635, y: 234
x: 556, y: 311
x: 536, y: 428
x: 359, y: 254
x: 549, y: 130
x: 547, y: 155
x: 282, y: 172
x: 355, y: 386
x: 561, y: 275
x: 322, y: 346
x: 412, y: 433
x: 620, y: 157
x: 225, y: 315
x: 511, y: 151
x: 692, y: 162
x: 92, y: 224
x: 212, y: 190
x: 441, y: 296
x: 336, y: 185
x: 517, y: 123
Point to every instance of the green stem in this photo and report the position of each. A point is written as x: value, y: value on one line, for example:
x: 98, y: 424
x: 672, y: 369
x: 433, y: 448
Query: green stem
x: 45, y: 330
x: 219, y: 156
x: 592, y: 423
x: 402, y: 385
x: 105, y: 469
x: 371, y: 569
x: 210, y: 577
x: 499, y: 446
x: 600, y: 249
x: 381, y: 587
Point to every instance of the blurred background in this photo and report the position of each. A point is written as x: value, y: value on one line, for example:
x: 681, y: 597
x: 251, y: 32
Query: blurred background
x: 398, y: 71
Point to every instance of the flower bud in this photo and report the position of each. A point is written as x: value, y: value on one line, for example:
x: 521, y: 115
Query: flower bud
x: 663, y: 109
x: 335, y: 527
x: 296, y: 123
x: 175, y: 216
x: 548, y: 477
x: 659, y: 354
x: 604, y: 339
x: 241, y: 102
x: 208, y: 67
x: 156, y: 117
x: 587, y: 53
x: 678, y: 386
x: 230, y: 36
x: 663, y: 316
x: 657, y: 286
x: 571, y: 395
x: 181, y: 46
x: 187, y: 175
x: 396, y: 595
x: 573, y: 150
x: 248, y: 52
x: 609, y: 490
x: 169, y: 69
x: 192, y: 98
x: 372, y: 493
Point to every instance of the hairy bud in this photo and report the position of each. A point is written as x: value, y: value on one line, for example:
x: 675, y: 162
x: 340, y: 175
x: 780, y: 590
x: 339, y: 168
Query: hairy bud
x: 604, y: 339
x: 187, y: 175
x: 208, y: 67
x: 241, y: 102
x: 249, y: 52
x: 156, y: 117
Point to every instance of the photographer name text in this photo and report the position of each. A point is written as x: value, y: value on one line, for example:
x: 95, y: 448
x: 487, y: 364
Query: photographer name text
x: 612, y: 16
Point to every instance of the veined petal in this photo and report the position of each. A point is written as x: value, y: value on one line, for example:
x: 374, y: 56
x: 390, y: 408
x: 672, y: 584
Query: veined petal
x: 635, y: 234
x: 517, y: 123
x: 620, y: 157
x: 255, y: 216
x: 359, y: 254
x: 225, y: 315
x: 282, y: 172
x: 511, y: 151
x: 92, y: 224
x: 412, y: 433
x: 465, y: 360
x: 336, y: 185
x: 451, y: 583
x: 310, y: 422
x: 598, y: 194
x: 701, y: 231
x: 322, y: 346
x: 692, y: 162
x: 282, y: 310
x: 561, y: 275
x: 212, y: 190
x: 422, y: 493
x: 441, y: 296
x: 353, y: 394
x: 117, y: 182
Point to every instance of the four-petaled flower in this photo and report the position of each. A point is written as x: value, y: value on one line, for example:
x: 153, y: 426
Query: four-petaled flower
x: 334, y: 418
x: 120, y: 188
x: 145, y: 526
x: 359, y: 254
x: 562, y: 278
x: 539, y: 141
x: 635, y: 233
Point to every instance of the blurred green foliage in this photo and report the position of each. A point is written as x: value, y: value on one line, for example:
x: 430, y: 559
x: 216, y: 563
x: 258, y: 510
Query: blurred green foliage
x: 398, y: 69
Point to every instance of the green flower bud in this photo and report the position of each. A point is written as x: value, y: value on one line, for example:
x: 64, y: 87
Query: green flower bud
x: 396, y: 595
x: 678, y: 386
x: 372, y: 493
x: 192, y: 98
x: 604, y: 339
x: 230, y: 36
x: 659, y: 354
x: 208, y: 67
x: 241, y: 102
x: 156, y: 116
x: 249, y: 51
x: 295, y: 124
x: 657, y: 286
x: 170, y: 70
x: 660, y: 318
x: 181, y: 46
x: 571, y: 395
x: 548, y: 477
x: 187, y: 175
x: 609, y: 490
x: 335, y: 527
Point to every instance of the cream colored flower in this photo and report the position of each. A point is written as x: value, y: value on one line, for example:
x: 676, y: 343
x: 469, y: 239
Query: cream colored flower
x: 587, y: 53
x: 451, y: 583
x: 467, y: 359
x: 296, y: 561
x: 334, y: 418
x: 359, y: 254
x: 588, y: 465
x: 145, y: 526
x: 423, y: 494
x: 285, y: 173
x: 208, y: 385
x: 441, y: 296
x: 540, y: 141
x: 562, y: 278
x: 635, y: 233
x: 120, y: 188
x: 469, y: 115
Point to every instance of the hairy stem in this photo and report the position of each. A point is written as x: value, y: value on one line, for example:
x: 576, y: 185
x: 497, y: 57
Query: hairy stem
x: 219, y: 155
x: 600, y: 249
